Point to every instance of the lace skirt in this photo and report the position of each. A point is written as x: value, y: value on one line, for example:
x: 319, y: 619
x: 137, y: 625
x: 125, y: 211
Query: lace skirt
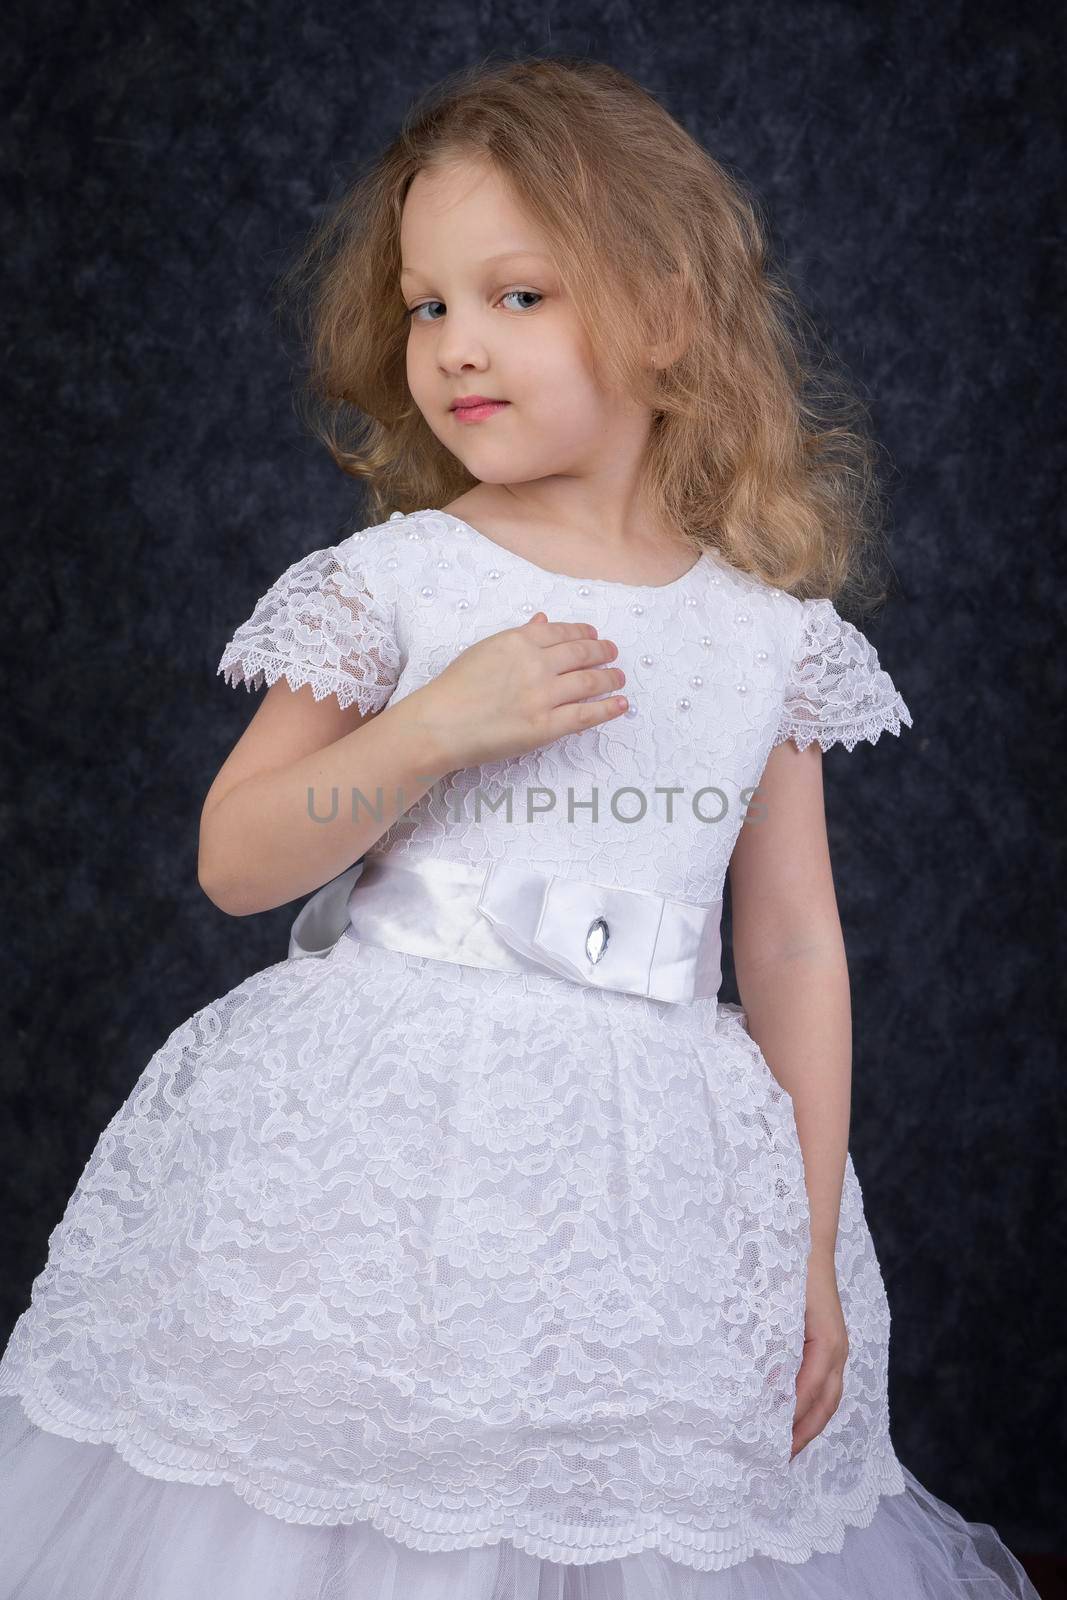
x: 400, y: 1280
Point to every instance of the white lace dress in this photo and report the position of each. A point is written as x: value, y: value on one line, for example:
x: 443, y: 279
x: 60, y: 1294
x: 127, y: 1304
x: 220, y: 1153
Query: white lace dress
x: 401, y: 1279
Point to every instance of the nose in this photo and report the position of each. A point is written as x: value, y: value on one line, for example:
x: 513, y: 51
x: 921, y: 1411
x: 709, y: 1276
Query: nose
x: 460, y: 345
x: 462, y: 357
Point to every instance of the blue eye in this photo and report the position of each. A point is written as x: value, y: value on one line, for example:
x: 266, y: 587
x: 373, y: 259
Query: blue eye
x: 424, y: 303
x: 532, y: 292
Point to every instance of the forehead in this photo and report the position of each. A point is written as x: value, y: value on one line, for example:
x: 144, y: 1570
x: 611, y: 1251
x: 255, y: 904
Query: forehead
x: 465, y: 217
x: 500, y: 259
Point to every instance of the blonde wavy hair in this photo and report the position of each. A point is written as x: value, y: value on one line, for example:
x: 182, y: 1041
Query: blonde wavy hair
x: 756, y: 446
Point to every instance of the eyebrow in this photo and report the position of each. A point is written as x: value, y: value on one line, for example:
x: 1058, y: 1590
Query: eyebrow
x: 489, y: 261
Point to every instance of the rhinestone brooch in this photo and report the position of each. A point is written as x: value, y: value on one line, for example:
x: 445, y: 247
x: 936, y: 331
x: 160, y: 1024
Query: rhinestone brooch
x: 596, y: 940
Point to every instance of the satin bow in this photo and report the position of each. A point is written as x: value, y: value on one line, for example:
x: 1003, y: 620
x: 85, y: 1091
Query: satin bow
x: 599, y: 934
x: 514, y: 916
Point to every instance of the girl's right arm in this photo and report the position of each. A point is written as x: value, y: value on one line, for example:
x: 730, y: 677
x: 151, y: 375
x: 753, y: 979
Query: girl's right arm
x: 280, y: 819
x: 299, y: 800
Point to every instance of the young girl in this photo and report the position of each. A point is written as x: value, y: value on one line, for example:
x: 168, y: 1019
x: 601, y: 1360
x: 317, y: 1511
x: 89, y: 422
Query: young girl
x: 477, y: 1251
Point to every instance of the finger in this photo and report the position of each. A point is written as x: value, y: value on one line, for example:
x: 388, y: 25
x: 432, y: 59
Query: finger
x: 812, y: 1382
x: 573, y: 653
x: 812, y: 1426
x: 576, y: 717
x: 830, y: 1394
x: 814, y: 1420
x: 557, y: 632
x: 810, y: 1431
x: 581, y: 685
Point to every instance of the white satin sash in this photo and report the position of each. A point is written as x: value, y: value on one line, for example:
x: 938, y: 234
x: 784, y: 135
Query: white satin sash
x: 516, y: 917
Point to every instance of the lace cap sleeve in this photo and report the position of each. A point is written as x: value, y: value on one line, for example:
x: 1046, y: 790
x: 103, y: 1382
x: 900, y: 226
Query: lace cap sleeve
x: 320, y: 623
x: 836, y: 692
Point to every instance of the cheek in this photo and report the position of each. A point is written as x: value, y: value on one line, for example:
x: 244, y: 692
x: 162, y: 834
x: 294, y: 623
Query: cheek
x: 423, y: 383
x: 578, y: 381
x: 569, y: 401
x: 412, y: 364
x: 553, y: 373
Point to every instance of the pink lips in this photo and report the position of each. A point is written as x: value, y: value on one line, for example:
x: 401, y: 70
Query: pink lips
x: 474, y: 408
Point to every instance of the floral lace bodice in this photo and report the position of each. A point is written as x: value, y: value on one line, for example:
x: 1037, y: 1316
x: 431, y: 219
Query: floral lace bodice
x: 720, y: 667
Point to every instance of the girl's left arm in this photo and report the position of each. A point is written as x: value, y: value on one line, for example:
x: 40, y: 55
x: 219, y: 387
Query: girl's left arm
x: 792, y: 972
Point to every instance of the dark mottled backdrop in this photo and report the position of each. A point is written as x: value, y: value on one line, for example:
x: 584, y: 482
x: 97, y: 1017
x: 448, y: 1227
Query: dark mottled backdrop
x: 162, y: 164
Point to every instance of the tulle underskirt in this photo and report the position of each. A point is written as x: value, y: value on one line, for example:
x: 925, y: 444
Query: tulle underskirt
x: 77, y: 1522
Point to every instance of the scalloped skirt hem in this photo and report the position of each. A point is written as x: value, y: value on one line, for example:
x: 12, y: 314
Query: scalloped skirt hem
x: 81, y: 1523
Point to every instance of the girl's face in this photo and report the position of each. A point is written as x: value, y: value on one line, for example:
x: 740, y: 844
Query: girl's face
x: 488, y: 316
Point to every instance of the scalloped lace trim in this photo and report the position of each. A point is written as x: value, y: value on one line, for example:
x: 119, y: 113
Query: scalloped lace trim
x: 887, y: 719
x: 837, y: 691
x: 318, y: 624
x: 254, y: 667
x: 421, y: 1529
